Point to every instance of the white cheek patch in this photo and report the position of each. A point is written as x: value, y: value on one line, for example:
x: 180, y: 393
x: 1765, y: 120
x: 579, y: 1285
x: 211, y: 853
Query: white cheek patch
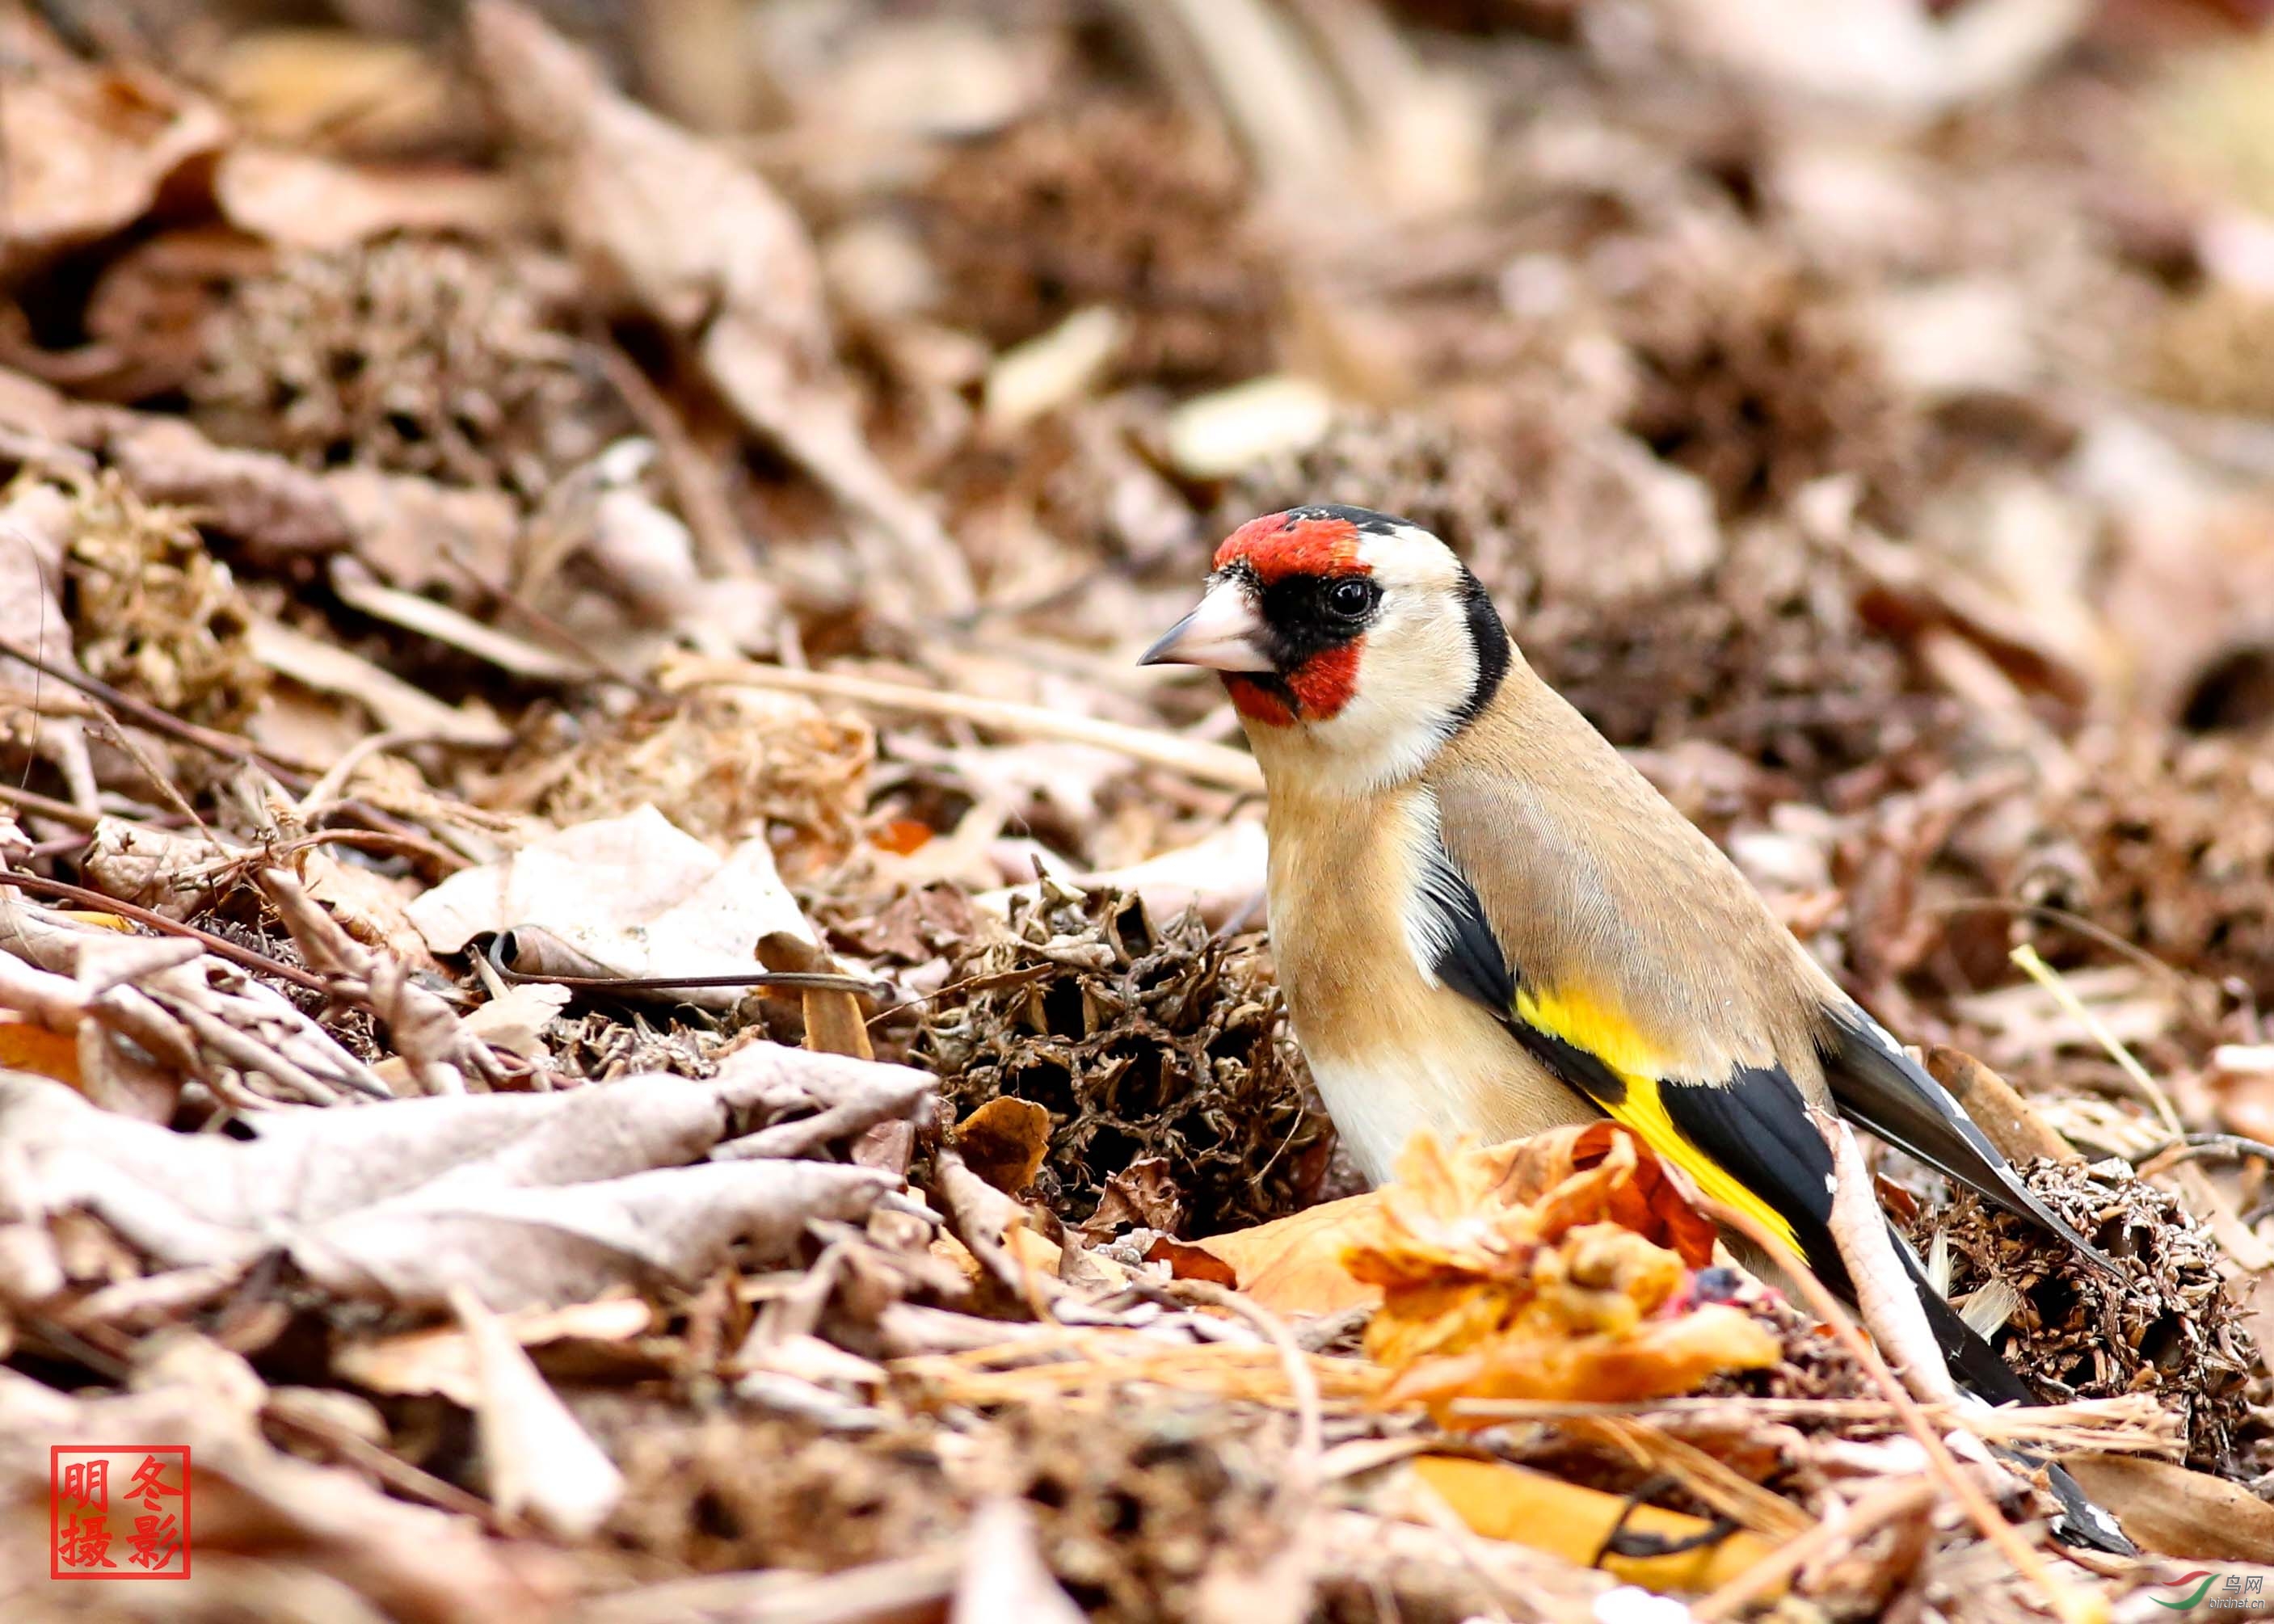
x: 1417, y: 671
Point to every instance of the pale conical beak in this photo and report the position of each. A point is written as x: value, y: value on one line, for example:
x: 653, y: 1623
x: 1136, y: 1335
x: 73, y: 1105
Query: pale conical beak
x: 1223, y: 634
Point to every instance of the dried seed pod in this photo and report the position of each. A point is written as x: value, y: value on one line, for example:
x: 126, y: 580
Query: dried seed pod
x: 1141, y: 1041
x: 412, y: 355
x: 2167, y: 1328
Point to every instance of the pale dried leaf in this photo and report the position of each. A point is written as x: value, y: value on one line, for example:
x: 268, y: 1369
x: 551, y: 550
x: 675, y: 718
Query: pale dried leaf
x: 257, y: 1503
x: 88, y: 149
x: 1003, y: 1573
x: 527, y: 1199
x: 538, y: 1460
x: 633, y: 895
x: 297, y: 199
x: 441, y: 1359
x: 395, y: 705
x: 697, y: 238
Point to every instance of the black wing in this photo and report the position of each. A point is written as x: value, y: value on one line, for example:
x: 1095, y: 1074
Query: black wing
x: 1884, y: 1089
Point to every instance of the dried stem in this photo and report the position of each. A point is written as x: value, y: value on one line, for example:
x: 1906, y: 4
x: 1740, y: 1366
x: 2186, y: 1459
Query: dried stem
x: 2062, y: 1599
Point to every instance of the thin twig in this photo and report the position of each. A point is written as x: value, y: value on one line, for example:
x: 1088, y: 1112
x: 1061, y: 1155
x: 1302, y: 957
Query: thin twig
x: 1891, y: 1502
x: 795, y: 979
x: 41, y: 806
x: 220, y: 947
x: 391, y: 1470
x: 326, y: 789
x: 1195, y: 759
x: 373, y: 840
x: 2046, y: 976
x: 294, y: 777
x: 2199, y: 1146
x: 2131, y: 1421
x: 2060, y: 1597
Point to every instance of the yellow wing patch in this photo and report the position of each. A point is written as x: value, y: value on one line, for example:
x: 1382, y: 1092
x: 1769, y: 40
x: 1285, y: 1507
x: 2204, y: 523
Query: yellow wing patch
x: 1603, y: 1031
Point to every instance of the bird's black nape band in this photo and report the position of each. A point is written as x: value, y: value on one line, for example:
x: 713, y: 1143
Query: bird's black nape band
x: 1489, y: 638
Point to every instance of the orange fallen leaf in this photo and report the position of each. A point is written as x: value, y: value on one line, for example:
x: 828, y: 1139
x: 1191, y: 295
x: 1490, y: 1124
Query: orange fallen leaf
x: 1188, y: 1261
x: 1554, y: 1268
x: 1005, y: 1141
x: 25, y: 1046
x: 834, y: 1024
x: 901, y: 837
x: 1530, y: 1508
x: 1630, y: 1187
x: 1295, y: 1265
x: 1553, y: 1297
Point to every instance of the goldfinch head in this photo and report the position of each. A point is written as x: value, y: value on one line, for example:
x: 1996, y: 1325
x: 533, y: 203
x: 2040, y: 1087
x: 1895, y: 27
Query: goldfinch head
x: 1352, y: 644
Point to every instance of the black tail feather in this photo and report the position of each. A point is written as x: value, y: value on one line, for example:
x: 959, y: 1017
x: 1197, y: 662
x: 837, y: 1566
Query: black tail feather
x: 1976, y: 1366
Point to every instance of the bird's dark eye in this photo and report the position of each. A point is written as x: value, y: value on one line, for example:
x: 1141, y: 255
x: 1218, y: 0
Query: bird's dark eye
x: 1350, y: 598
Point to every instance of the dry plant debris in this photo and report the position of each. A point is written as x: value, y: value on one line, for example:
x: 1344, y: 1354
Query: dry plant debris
x: 498, y: 504
x: 1113, y: 204
x: 168, y: 622
x: 1144, y: 1042
x: 2169, y: 1329
x: 1561, y: 1295
x: 413, y: 355
x: 1755, y: 379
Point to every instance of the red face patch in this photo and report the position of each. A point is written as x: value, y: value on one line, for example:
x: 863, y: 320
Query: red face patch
x: 1280, y: 547
x: 1257, y: 703
x: 1314, y: 691
x: 1279, y: 544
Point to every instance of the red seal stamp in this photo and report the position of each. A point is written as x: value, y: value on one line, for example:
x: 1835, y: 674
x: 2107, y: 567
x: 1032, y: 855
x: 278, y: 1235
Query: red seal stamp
x: 117, y: 1513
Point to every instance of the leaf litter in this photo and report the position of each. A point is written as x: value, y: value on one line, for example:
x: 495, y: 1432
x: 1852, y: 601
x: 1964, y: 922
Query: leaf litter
x: 555, y: 518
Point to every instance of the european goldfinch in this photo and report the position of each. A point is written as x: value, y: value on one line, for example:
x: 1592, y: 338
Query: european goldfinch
x: 1486, y: 921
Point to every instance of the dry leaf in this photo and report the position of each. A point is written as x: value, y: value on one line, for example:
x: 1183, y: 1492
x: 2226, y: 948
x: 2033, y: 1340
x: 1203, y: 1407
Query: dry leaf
x: 632, y: 896
x: 26, y: 1047
x: 327, y: 1531
x: 834, y: 1023
x: 441, y: 1359
x: 89, y: 149
x: 314, y: 84
x: 1294, y: 1265
x: 1530, y: 1508
x: 515, y: 1018
x: 537, y: 1459
x: 35, y: 528
x: 1297, y: 1265
x: 425, y: 537
x: 297, y: 199
x: 2175, y: 1511
x: 528, y: 1199
x: 1005, y: 1141
x: 1142, y: 1195
x: 1220, y: 875
x: 1553, y: 1298
x: 395, y: 705
x: 1188, y: 1261
x: 694, y: 236
x: 1896, y: 55
x: 1003, y: 1573
x: 274, y: 510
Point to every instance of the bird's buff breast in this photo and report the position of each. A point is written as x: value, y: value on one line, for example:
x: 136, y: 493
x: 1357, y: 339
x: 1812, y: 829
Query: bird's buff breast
x: 1391, y: 1050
